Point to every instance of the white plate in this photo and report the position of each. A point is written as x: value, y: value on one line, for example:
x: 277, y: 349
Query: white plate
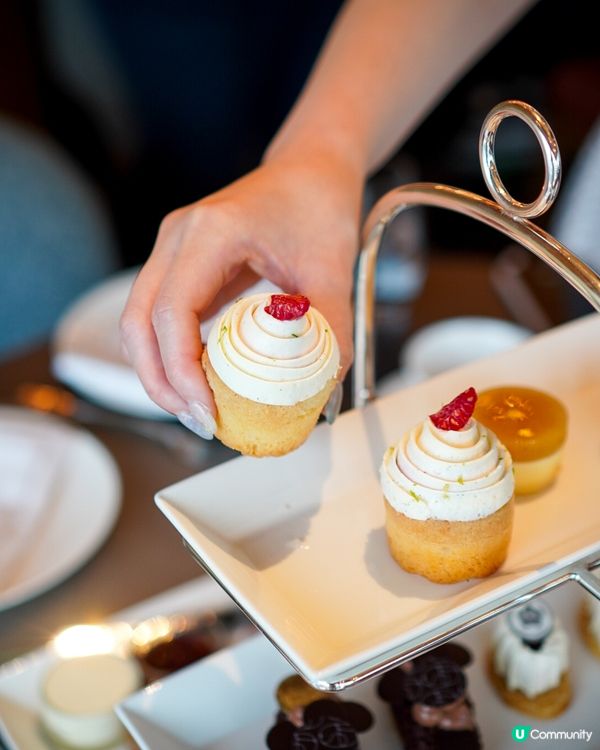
x: 226, y: 702
x: 20, y: 679
x: 87, y: 352
x: 85, y: 505
x: 299, y: 541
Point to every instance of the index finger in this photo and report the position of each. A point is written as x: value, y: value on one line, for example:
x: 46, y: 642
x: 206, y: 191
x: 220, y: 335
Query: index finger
x: 192, y: 283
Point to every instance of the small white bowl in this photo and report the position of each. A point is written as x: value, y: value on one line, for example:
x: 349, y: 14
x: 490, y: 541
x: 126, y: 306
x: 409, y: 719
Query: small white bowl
x: 450, y: 343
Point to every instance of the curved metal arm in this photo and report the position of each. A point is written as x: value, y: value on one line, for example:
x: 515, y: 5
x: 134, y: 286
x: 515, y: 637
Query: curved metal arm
x: 505, y: 219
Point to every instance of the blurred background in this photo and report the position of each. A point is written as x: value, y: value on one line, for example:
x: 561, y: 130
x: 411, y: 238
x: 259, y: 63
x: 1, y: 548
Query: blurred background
x: 113, y: 114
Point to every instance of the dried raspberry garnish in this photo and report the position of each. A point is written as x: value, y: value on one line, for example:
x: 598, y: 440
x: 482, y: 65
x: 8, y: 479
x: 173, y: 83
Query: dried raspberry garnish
x: 456, y: 414
x: 287, y: 306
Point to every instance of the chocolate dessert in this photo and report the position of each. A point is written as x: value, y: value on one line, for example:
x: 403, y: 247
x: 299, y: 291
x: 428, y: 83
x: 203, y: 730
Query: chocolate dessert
x: 428, y: 698
x: 308, y: 720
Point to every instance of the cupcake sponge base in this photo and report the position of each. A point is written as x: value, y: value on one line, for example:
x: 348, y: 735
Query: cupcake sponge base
x: 256, y: 429
x: 450, y: 551
x: 543, y: 706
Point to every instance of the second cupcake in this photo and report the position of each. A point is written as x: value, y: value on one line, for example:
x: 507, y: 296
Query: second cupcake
x: 449, y: 496
x: 271, y: 361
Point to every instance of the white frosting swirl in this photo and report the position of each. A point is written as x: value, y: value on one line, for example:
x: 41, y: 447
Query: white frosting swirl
x: 449, y: 475
x: 279, y: 362
x: 531, y: 671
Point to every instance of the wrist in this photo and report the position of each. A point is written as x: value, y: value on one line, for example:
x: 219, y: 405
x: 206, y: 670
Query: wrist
x: 331, y: 155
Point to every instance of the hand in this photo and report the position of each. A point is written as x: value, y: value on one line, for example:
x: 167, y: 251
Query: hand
x: 293, y: 222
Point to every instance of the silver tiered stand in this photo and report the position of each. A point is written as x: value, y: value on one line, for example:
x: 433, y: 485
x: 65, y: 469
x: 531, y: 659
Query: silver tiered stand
x: 512, y: 218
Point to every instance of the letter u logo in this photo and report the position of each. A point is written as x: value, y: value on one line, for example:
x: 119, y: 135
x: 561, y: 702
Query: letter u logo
x: 520, y: 734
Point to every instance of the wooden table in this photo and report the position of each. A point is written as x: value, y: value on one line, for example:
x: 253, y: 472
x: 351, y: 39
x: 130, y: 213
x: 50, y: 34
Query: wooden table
x: 144, y: 555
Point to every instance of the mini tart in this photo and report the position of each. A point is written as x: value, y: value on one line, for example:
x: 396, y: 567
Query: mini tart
x: 533, y: 426
x: 529, y: 663
x: 294, y: 692
x: 78, y: 696
x: 256, y: 429
x: 546, y: 705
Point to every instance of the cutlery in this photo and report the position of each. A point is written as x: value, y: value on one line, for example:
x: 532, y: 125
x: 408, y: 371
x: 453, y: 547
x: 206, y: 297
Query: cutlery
x: 181, y: 443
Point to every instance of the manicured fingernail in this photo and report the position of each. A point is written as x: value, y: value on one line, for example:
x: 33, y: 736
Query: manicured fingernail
x: 199, y: 420
x: 334, y: 404
x: 202, y: 414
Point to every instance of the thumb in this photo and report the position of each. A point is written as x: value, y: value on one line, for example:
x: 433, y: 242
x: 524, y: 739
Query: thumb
x: 334, y: 302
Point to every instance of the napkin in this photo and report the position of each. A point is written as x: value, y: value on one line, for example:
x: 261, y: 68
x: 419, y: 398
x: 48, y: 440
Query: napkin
x: 31, y: 456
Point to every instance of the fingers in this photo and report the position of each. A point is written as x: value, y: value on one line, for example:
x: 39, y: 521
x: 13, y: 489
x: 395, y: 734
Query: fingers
x: 160, y: 325
x: 192, y: 283
x: 138, y: 338
x: 334, y: 301
x: 231, y: 291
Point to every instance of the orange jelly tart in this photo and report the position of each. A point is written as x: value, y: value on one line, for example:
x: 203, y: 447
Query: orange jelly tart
x: 533, y: 426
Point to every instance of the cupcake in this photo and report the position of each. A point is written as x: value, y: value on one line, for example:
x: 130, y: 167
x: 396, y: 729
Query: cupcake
x: 590, y: 624
x: 533, y: 426
x: 309, y: 718
x: 272, y: 362
x: 429, y: 701
x: 448, y: 489
x: 529, y: 666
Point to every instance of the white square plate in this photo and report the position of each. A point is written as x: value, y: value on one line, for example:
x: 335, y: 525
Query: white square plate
x: 227, y: 701
x: 299, y: 542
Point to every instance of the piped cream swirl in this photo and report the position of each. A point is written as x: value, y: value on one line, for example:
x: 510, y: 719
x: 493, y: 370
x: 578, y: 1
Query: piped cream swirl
x: 450, y: 475
x: 525, y: 669
x: 278, y: 362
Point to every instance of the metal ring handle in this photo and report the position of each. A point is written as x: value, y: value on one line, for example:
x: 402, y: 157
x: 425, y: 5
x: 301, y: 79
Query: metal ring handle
x: 550, y: 152
x: 583, y: 278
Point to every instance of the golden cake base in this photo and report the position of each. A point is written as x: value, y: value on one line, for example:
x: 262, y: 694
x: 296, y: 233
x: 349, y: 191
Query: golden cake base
x: 256, y: 429
x: 450, y: 551
x: 544, y: 706
x: 589, y: 638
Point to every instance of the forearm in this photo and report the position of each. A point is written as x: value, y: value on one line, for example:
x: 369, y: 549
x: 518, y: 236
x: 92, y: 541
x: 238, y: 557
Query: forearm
x: 384, y: 66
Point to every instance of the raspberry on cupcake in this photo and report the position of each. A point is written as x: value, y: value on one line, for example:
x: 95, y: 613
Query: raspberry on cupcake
x: 272, y: 361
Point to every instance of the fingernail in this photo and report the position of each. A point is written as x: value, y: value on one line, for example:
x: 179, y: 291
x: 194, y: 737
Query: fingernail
x: 334, y: 404
x: 199, y: 420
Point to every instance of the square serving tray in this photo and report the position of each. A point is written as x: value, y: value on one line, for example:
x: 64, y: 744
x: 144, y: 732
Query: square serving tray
x: 227, y: 701
x: 299, y: 542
